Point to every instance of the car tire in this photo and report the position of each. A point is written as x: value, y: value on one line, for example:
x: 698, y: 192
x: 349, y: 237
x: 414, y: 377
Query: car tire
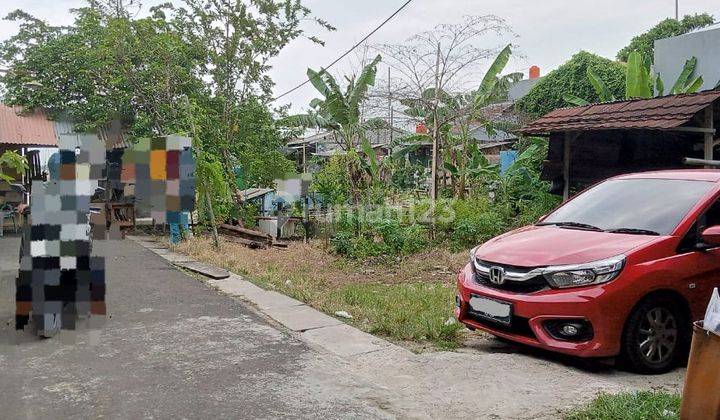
x: 656, y: 336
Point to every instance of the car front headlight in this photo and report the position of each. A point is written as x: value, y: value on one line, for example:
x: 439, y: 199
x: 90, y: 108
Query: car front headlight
x: 473, y: 257
x: 596, y: 272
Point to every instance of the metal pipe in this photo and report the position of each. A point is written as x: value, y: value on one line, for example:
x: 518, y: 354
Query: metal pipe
x: 701, y: 162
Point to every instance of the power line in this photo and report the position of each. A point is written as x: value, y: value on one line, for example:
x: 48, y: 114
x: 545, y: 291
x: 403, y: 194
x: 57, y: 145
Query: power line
x: 348, y: 51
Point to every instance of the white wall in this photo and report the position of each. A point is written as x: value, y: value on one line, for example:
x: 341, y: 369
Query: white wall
x: 671, y: 54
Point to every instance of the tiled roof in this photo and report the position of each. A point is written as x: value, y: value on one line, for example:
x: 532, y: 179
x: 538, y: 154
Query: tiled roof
x: 651, y: 114
x: 26, y: 129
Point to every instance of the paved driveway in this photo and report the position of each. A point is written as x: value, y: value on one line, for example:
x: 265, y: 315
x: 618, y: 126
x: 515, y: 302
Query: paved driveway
x: 171, y: 347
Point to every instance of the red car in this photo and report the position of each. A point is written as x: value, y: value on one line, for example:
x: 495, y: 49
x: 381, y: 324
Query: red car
x: 621, y: 270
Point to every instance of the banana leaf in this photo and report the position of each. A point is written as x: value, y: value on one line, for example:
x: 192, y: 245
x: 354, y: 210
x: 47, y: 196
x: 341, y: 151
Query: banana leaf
x: 694, y: 86
x: 490, y: 79
x: 371, y: 156
x: 361, y: 85
x: 575, y: 100
x: 597, y: 83
x: 637, y: 81
x: 659, y: 86
x: 317, y: 81
x: 682, y: 81
x: 402, y: 151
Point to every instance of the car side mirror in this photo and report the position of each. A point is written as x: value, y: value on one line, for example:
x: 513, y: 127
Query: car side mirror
x: 711, y: 235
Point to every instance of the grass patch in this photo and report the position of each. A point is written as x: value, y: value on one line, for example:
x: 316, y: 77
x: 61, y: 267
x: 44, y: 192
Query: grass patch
x: 641, y: 405
x: 410, y: 300
x: 415, y: 312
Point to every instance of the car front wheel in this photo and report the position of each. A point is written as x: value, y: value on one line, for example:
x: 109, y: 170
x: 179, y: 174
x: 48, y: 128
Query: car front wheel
x: 655, y: 337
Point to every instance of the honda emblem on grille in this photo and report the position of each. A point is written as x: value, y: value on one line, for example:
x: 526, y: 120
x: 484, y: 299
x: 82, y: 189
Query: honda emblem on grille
x: 497, y: 275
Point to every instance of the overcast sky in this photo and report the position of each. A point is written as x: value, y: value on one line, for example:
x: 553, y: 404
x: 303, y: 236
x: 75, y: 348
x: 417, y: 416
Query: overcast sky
x: 549, y: 31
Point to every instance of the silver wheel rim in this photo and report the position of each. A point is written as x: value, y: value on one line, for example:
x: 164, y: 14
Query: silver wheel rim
x: 658, y: 335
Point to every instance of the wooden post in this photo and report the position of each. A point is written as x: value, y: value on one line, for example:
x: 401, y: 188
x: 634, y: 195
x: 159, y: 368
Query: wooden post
x: 306, y: 219
x: 709, y: 136
x: 304, y: 159
x: 566, y: 165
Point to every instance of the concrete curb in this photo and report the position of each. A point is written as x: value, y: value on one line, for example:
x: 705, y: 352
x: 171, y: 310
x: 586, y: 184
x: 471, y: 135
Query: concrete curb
x: 313, y: 327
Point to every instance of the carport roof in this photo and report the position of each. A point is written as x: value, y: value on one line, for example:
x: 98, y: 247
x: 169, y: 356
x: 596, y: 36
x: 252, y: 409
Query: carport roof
x: 665, y: 112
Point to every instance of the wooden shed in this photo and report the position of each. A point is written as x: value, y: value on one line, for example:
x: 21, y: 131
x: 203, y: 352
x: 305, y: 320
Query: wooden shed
x: 593, y: 142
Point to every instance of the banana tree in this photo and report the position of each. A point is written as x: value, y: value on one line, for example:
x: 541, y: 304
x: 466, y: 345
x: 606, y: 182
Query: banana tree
x: 338, y: 110
x: 463, y: 158
x: 456, y: 115
x: 640, y: 82
x: 475, y: 166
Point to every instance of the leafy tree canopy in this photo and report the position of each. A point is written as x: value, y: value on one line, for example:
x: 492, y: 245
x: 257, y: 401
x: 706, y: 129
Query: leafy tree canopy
x: 102, y: 69
x: 572, y: 78
x: 109, y: 65
x: 644, y: 43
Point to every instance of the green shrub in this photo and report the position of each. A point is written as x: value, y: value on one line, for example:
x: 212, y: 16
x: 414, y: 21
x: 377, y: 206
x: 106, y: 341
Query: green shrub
x: 248, y: 214
x: 406, y: 175
x: 384, y: 234
x: 497, y: 204
x: 572, y: 78
x: 332, y: 181
x: 474, y: 221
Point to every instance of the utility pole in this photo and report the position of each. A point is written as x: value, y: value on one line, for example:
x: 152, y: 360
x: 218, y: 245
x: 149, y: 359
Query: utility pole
x: 436, y: 130
x: 677, y: 15
x: 390, y: 110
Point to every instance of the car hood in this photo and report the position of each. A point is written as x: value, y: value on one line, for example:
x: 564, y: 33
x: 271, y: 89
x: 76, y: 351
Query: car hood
x: 534, y: 246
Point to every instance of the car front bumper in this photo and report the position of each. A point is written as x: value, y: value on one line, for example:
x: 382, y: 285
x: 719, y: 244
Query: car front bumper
x: 530, y: 312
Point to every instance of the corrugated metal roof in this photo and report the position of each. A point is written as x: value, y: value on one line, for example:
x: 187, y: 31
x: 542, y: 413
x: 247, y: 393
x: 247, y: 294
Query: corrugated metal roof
x: 26, y: 129
x: 650, y: 114
x: 375, y: 136
x: 251, y: 193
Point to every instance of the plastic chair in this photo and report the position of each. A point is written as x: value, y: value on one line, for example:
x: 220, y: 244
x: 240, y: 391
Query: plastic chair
x: 7, y: 212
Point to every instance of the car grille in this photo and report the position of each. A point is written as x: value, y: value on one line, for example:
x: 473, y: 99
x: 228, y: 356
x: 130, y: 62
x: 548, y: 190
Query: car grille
x: 532, y: 285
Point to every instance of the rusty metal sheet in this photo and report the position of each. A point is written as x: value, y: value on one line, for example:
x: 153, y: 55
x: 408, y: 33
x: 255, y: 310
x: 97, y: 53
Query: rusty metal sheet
x: 26, y: 129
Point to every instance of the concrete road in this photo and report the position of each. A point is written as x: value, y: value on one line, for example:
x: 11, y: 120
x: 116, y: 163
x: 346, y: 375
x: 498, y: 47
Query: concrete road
x: 171, y: 347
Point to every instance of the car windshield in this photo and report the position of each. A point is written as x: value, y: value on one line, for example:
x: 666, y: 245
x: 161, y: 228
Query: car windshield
x: 643, y: 206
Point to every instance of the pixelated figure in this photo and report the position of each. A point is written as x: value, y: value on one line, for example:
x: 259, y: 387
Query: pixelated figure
x: 60, y: 280
x: 162, y: 172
